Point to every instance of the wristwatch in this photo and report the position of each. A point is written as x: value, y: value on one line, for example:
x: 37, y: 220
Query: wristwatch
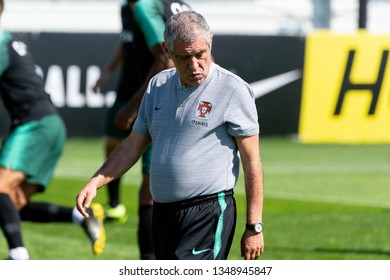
x: 256, y: 227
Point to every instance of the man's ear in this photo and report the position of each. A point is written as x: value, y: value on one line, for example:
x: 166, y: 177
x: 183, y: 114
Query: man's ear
x: 165, y: 49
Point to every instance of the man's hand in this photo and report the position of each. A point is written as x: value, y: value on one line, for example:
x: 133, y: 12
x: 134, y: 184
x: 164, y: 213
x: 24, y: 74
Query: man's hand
x: 104, y: 77
x: 84, y: 199
x: 126, y: 115
x: 252, y: 245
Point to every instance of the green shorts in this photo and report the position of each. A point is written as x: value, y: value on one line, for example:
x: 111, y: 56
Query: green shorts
x: 146, y: 160
x: 110, y: 128
x: 34, y: 149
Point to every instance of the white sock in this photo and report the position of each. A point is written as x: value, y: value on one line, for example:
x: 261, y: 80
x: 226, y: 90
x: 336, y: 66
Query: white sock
x: 19, y: 253
x: 77, y: 218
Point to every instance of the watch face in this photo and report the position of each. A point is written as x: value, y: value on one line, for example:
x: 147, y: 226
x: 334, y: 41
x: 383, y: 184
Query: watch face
x: 258, y: 228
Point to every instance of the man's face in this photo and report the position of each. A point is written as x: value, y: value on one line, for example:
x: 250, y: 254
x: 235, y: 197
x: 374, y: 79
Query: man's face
x: 192, y: 61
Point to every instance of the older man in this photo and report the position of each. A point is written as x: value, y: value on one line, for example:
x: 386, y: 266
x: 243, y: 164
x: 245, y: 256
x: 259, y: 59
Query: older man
x: 202, y: 121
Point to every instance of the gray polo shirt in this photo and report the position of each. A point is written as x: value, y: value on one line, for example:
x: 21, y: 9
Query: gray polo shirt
x: 193, y: 130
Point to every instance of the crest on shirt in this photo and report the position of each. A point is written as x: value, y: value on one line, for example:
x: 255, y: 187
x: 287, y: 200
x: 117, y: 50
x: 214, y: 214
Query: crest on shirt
x: 204, y: 109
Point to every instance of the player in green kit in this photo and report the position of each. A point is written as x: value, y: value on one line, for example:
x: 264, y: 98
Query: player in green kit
x: 30, y: 151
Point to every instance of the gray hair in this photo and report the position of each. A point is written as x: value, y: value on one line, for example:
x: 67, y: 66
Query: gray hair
x: 186, y: 26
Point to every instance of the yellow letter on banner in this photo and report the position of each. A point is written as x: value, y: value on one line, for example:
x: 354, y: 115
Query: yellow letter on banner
x: 346, y: 89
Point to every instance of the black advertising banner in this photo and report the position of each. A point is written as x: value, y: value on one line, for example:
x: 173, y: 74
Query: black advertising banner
x: 273, y: 66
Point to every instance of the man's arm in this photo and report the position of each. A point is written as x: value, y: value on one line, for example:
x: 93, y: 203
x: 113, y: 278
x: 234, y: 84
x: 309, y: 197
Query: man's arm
x: 127, y: 114
x: 252, y: 244
x: 114, y: 61
x: 118, y: 163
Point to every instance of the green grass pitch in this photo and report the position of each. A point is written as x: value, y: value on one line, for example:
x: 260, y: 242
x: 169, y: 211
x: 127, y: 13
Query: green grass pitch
x: 322, y: 202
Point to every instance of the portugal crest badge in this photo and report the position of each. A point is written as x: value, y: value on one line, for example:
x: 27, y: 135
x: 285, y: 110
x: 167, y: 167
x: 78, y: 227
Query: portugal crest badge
x: 204, y: 109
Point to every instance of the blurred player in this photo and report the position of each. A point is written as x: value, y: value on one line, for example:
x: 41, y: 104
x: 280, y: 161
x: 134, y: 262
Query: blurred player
x: 30, y: 152
x: 149, y: 23
x: 129, y: 81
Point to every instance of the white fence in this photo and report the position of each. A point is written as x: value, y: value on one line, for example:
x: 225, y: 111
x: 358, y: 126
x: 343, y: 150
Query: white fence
x: 258, y: 17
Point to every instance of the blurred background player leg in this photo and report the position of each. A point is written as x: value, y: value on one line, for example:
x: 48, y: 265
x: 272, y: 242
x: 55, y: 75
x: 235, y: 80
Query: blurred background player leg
x: 10, y: 225
x: 145, y: 210
x: 44, y: 212
x: 128, y: 84
x: 114, y: 210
